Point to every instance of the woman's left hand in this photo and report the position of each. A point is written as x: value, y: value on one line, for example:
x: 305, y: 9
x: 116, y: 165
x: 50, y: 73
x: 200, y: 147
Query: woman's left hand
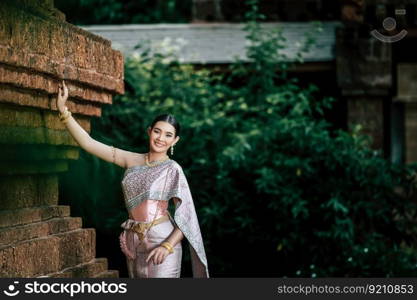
x: 158, y: 255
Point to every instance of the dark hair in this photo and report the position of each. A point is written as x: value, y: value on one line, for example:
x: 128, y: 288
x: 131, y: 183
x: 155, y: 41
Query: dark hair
x: 169, y: 119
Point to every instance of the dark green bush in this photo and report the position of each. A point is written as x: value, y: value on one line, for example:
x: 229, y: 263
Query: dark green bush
x: 83, y: 12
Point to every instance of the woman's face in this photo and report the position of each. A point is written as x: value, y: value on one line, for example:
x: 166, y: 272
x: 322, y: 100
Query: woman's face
x: 161, y: 137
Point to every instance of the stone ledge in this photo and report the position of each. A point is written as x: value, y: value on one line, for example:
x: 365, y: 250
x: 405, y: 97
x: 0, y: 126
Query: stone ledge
x: 40, y: 63
x: 13, y: 96
x: 41, y: 135
x: 57, y: 41
x: 27, y: 153
x: 405, y: 99
x: 28, y: 191
x: 33, y: 168
x: 44, y: 7
x: 30, y: 215
x: 49, y: 254
x: 108, y: 274
x: 85, y: 270
x: 406, y: 78
x: 12, y: 235
x: 26, y: 78
x: 34, y: 118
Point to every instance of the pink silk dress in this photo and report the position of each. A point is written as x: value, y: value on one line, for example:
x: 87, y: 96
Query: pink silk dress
x: 147, y: 191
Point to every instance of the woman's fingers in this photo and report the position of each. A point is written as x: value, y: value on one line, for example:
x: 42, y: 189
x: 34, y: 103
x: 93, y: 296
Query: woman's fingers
x: 161, y: 256
x: 65, y: 91
x: 155, y: 258
x: 150, y: 255
x: 158, y: 258
x: 157, y: 255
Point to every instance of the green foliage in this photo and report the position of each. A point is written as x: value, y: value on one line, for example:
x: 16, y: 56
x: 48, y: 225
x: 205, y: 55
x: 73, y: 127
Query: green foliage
x: 83, y: 12
x: 278, y: 192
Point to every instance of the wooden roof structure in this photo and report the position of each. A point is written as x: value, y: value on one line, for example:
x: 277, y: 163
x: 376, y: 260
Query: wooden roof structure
x: 215, y: 43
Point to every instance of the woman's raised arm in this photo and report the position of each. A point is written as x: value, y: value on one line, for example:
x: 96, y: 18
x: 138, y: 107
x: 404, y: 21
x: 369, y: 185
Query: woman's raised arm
x: 108, y: 153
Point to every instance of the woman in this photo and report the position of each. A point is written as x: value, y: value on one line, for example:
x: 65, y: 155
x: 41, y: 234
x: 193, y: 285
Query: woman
x: 151, y: 239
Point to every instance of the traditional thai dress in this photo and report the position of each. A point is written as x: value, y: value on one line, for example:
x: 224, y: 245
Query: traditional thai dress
x: 147, y: 190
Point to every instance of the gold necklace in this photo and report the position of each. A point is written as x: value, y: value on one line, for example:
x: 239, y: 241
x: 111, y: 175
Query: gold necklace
x: 154, y: 163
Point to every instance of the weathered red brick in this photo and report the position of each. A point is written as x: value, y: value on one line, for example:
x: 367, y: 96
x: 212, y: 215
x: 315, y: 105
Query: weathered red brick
x: 30, y: 98
x: 24, y: 79
x: 47, y: 254
x: 33, y: 214
x: 37, y: 50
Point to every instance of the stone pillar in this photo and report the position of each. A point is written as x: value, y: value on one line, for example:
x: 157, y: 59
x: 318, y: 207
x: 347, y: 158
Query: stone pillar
x: 364, y: 76
x: 407, y: 94
x: 38, y: 237
x: 364, y: 73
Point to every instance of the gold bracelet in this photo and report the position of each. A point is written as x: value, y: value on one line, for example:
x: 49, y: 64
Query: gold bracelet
x: 170, y: 250
x: 65, y: 115
x: 65, y: 110
x: 168, y: 246
x: 64, y: 118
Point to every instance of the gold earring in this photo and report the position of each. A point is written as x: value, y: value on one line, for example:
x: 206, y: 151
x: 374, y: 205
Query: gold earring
x: 172, y: 150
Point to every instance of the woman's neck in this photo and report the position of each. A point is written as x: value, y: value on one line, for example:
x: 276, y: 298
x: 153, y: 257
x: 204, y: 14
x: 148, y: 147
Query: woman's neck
x: 155, y: 156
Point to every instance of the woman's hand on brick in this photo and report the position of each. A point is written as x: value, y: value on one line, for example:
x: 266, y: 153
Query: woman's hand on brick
x: 62, y: 96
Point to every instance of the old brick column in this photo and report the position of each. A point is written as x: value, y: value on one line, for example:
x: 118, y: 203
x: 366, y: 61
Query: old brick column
x: 407, y: 94
x: 364, y: 72
x: 38, y: 49
x: 364, y: 76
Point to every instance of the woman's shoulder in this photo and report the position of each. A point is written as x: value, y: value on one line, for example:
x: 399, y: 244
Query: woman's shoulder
x: 176, y: 167
x: 135, y: 159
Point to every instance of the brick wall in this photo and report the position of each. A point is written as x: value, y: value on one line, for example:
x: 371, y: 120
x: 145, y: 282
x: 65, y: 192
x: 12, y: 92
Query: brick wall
x: 38, y: 49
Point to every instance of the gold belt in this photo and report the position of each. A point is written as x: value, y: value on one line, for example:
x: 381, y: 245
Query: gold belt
x: 140, y: 228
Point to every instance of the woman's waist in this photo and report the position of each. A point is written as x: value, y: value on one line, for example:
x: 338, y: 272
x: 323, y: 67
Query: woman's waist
x: 147, y: 217
x: 149, y: 210
x: 139, y: 225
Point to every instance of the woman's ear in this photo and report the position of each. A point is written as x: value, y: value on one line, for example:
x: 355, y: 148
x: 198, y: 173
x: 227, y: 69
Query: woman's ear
x: 149, y: 131
x: 177, y: 139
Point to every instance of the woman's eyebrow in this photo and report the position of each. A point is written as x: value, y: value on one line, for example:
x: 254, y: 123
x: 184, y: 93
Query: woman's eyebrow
x: 162, y: 130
